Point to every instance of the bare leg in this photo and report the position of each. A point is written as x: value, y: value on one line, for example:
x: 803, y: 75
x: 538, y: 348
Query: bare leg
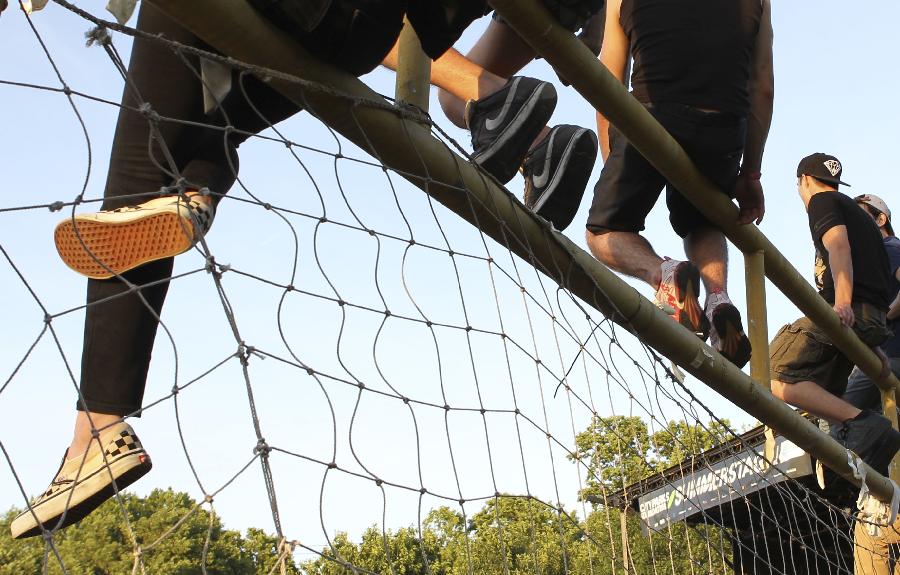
x: 82, y: 437
x: 459, y: 79
x: 499, y: 51
x: 494, y: 58
x: 810, y: 397
x: 628, y: 253
x: 706, y: 249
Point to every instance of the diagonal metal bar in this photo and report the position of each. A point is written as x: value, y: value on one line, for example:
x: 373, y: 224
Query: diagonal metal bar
x: 233, y: 28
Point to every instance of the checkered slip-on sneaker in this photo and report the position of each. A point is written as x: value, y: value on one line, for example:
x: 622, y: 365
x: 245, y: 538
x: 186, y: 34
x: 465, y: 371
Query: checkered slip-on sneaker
x: 726, y: 333
x: 677, y: 295
x: 556, y: 173
x: 505, y: 124
x: 83, y: 483
x: 102, y: 244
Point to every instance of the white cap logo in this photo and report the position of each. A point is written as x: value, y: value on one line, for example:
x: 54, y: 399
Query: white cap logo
x: 832, y: 166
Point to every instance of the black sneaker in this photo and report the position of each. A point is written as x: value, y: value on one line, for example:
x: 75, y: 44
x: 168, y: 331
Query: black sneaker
x: 871, y: 437
x: 556, y: 173
x: 504, y: 124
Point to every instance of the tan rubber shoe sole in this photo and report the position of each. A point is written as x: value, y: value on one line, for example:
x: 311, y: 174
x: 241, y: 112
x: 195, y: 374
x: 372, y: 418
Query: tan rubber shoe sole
x: 102, y: 244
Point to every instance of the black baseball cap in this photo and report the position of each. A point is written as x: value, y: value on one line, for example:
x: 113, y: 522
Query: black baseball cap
x: 821, y: 167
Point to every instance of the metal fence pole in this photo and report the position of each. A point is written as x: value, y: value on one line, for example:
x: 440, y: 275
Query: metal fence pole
x: 758, y: 330
x: 413, y: 70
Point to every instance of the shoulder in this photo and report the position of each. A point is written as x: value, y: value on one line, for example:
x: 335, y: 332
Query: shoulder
x: 892, y: 244
x: 825, y: 212
x: 824, y: 201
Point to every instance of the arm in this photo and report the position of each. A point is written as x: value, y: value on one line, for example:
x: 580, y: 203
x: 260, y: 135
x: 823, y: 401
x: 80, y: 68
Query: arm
x: 748, y: 190
x: 841, y: 263
x: 614, y: 55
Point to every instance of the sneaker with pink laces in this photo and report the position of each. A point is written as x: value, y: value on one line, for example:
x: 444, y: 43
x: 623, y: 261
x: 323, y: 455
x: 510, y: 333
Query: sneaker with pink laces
x: 726, y: 334
x: 678, y: 293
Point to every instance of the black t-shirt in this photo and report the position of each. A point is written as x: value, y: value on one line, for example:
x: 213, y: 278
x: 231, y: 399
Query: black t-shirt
x: 697, y: 53
x: 871, y: 269
x: 892, y: 246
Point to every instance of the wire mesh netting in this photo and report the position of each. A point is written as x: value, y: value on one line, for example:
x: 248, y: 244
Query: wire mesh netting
x: 377, y: 384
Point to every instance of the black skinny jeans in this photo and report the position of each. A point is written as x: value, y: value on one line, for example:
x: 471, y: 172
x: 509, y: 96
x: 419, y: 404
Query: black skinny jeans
x: 119, y: 334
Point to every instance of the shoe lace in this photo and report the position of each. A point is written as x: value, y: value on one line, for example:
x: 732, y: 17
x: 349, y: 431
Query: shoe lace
x: 55, y: 485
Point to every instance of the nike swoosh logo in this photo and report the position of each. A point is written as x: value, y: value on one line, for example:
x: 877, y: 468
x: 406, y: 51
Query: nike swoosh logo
x: 541, y: 180
x: 493, y: 123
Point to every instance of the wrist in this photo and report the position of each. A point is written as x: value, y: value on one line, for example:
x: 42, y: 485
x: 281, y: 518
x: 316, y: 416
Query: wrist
x: 754, y: 175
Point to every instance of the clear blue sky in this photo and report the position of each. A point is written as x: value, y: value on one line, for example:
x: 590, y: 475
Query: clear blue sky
x: 834, y: 93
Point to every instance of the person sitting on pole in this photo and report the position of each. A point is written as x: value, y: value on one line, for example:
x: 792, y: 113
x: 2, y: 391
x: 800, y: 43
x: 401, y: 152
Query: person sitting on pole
x: 704, y: 71
x: 127, y: 250
x: 507, y: 115
x: 852, y: 273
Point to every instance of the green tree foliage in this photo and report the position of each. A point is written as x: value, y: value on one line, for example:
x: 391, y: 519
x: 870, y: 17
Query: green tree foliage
x: 508, y: 535
x: 617, y: 453
x: 519, y: 536
x: 100, y: 544
x: 620, y: 451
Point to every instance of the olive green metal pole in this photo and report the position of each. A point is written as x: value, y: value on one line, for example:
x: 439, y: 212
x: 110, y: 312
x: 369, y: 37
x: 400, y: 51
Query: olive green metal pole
x: 572, y: 59
x: 413, y: 69
x: 626, y: 550
x: 758, y: 331
x: 235, y: 29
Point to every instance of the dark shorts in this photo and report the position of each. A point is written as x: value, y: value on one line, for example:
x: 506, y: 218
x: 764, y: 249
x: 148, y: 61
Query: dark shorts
x: 629, y: 185
x: 571, y: 14
x: 356, y: 35
x: 802, y: 352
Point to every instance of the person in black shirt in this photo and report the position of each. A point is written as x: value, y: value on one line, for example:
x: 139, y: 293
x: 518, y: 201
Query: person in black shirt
x: 127, y: 250
x: 704, y: 71
x: 871, y: 554
x: 852, y: 274
x: 862, y: 391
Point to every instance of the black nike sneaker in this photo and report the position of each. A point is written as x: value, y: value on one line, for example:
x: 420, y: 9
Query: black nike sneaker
x: 504, y: 124
x: 557, y: 171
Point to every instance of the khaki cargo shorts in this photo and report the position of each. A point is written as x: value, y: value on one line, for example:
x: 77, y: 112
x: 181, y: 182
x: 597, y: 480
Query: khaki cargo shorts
x: 802, y: 352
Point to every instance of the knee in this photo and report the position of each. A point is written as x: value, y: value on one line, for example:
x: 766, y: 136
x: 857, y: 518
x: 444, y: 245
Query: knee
x: 453, y: 108
x: 595, y: 242
x: 780, y: 389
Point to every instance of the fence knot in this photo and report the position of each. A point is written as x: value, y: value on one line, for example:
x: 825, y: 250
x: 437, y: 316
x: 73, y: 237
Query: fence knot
x: 99, y: 35
x: 262, y: 448
x: 147, y: 111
